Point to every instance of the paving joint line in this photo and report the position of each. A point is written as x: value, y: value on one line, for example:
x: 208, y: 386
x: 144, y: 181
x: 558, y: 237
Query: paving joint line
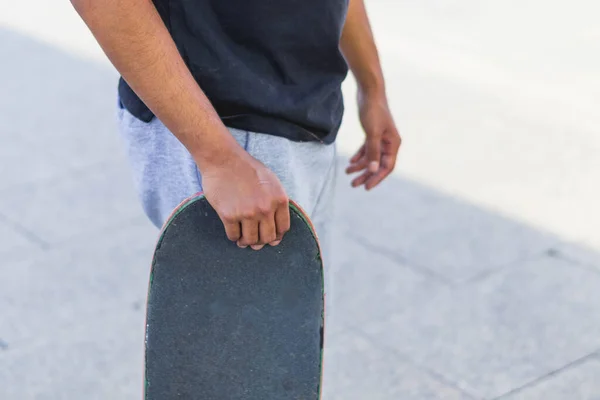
x: 433, y: 374
x: 549, y: 375
x: 560, y: 255
x: 66, y: 174
x: 419, y: 269
x: 32, y: 237
x: 506, y: 266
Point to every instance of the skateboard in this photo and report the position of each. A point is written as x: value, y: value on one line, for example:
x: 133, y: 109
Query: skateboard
x: 224, y: 323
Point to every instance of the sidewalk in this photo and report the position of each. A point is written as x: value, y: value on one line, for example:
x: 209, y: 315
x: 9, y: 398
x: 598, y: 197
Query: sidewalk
x: 443, y: 292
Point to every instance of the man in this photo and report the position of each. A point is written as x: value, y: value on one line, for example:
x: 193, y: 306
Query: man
x: 242, y: 100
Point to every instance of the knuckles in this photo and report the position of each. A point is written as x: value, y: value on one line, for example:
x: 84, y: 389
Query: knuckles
x: 281, y: 229
x: 256, y: 211
x: 264, y: 210
x: 233, y: 237
x: 281, y: 200
x: 268, y: 238
x: 229, y: 218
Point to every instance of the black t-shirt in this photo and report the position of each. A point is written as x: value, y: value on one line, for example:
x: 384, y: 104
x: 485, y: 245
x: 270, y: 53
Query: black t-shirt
x: 269, y: 66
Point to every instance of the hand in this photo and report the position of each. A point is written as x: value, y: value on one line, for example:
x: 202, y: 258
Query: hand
x: 376, y: 158
x: 249, y: 199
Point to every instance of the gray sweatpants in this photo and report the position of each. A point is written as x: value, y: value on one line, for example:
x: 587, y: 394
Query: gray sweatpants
x: 165, y: 173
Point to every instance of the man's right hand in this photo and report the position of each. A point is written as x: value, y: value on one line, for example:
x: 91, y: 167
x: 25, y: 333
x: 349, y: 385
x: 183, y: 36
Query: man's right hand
x: 249, y: 199
x: 247, y: 196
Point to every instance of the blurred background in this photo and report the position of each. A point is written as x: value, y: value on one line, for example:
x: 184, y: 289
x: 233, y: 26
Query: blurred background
x: 473, y: 273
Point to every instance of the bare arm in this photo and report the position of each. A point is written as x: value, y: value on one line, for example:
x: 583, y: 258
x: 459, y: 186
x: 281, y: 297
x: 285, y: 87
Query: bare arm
x: 376, y: 159
x: 136, y: 41
x: 247, y: 196
x: 360, y: 51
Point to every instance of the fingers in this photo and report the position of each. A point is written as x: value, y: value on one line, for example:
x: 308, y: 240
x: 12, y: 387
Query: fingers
x: 361, y: 179
x: 249, y: 233
x: 282, y: 221
x: 370, y: 180
x: 232, y: 229
x: 361, y: 162
x: 263, y: 226
x: 358, y: 162
x: 367, y: 157
x: 357, y: 166
x: 359, y: 154
x: 373, y: 152
x: 376, y: 178
x: 388, y: 146
x: 267, y: 232
x: 388, y: 162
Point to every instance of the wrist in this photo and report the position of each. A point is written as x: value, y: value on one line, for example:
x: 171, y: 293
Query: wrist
x: 371, y: 92
x: 371, y: 96
x: 217, y: 151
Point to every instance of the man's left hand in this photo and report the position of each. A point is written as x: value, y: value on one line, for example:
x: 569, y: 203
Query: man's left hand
x: 376, y: 158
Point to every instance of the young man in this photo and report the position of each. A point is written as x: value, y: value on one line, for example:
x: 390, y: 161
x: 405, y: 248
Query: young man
x: 242, y: 99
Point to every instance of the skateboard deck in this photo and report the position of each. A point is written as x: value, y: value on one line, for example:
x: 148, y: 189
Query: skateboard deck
x: 224, y: 323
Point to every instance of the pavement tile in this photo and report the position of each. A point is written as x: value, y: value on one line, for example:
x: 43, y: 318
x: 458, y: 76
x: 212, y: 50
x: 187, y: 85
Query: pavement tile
x: 72, y: 124
x: 22, y: 162
x: 580, y: 254
x: 452, y: 239
x: 369, y: 286
x: 67, y: 287
x: 60, y: 209
x: 355, y: 368
x: 100, y: 359
x: 13, y: 240
x: 578, y: 382
x: 504, y: 331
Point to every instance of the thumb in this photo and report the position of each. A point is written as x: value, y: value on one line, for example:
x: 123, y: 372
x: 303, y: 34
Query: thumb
x: 373, y: 151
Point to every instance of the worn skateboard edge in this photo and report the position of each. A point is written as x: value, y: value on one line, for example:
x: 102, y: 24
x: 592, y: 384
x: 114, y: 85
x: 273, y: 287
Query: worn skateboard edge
x: 294, y: 207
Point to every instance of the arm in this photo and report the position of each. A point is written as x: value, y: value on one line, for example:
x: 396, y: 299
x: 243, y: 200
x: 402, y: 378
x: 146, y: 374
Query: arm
x: 376, y: 159
x: 360, y: 51
x: 134, y: 38
x: 138, y: 44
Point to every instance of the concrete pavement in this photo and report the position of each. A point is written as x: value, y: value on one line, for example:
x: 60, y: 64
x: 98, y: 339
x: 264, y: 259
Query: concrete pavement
x: 473, y: 273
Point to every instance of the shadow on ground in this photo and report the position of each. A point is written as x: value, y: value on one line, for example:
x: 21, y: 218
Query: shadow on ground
x: 435, y: 298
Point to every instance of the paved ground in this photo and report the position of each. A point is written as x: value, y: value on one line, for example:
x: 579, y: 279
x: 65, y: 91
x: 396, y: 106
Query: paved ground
x: 474, y: 273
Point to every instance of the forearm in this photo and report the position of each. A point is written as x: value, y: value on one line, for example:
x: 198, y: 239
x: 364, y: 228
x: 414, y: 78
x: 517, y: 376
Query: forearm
x: 359, y: 49
x: 136, y: 41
